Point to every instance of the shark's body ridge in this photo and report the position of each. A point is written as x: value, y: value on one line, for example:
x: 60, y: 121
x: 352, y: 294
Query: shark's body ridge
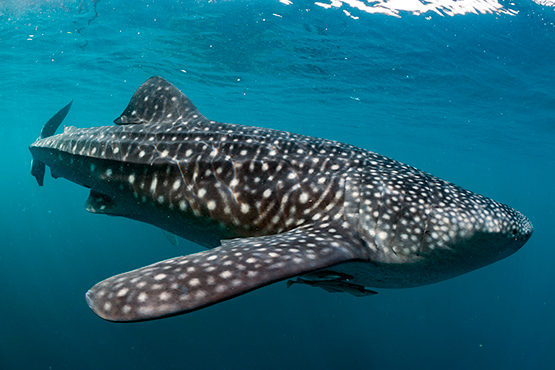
x: 271, y: 205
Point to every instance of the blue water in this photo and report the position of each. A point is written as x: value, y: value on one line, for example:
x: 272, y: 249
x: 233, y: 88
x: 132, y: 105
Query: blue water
x: 469, y: 98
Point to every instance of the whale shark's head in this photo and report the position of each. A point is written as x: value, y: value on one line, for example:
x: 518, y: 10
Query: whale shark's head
x: 421, y: 229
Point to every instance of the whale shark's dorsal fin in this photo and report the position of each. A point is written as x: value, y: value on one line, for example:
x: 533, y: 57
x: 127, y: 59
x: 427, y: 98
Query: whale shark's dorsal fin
x: 157, y: 101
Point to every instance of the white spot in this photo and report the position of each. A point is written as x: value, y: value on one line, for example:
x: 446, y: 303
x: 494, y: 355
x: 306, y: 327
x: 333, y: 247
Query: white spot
x: 201, y: 192
x: 153, y: 184
x: 160, y: 277
x: 176, y: 185
x: 211, y: 205
x: 146, y: 310
x: 220, y: 288
x: 245, y: 208
x: 226, y: 274
x: 303, y: 198
x: 237, y: 282
x: 122, y: 292
x: 164, y: 296
x: 200, y: 294
x: 267, y: 193
x: 142, y: 297
x: 182, y: 205
x: 194, y: 282
x: 131, y: 179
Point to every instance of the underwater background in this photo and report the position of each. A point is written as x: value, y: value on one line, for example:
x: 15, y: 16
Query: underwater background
x: 464, y: 90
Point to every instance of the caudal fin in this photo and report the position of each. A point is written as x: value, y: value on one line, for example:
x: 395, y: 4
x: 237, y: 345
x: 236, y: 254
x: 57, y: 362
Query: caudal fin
x: 37, y: 167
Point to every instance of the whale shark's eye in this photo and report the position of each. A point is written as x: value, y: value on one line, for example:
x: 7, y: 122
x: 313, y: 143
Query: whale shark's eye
x: 515, y: 231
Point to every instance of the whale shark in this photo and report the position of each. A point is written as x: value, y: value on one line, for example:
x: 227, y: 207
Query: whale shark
x: 269, y: 205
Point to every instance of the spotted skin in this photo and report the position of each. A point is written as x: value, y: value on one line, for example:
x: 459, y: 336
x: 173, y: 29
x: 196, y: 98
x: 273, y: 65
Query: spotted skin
x: 271, y: 205
x: 240, y: 265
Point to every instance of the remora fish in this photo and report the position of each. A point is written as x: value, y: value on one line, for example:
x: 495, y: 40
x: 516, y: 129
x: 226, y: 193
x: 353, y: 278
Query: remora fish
x: 272, y: 205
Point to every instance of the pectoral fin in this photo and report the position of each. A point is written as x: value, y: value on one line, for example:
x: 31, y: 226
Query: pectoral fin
x: 187, y: 283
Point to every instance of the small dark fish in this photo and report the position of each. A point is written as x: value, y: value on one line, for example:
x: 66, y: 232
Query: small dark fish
x: 334, y: 286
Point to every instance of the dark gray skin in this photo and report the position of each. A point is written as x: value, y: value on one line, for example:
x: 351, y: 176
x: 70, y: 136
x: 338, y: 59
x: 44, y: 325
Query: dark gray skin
x: 271, y: 205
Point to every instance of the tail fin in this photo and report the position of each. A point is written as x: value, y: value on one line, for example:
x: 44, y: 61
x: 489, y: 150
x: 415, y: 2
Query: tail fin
x: 38, y: 168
